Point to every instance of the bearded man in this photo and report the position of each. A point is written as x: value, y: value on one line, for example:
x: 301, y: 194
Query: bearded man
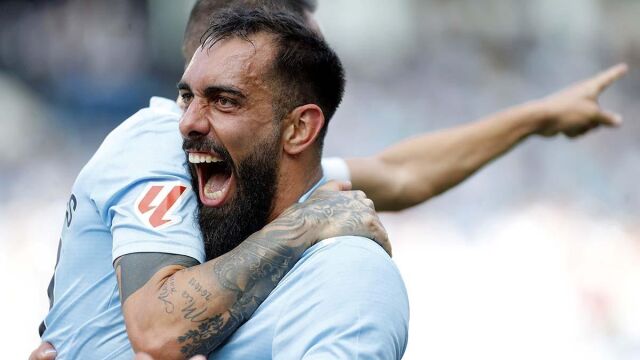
x: 258, y: 96
x: 146, y: 241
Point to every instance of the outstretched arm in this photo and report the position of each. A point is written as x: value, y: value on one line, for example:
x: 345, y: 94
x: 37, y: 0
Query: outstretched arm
x: 417, y: 169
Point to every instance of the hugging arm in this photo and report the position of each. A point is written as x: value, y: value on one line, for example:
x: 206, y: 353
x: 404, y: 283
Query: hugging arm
x: 182, y: 310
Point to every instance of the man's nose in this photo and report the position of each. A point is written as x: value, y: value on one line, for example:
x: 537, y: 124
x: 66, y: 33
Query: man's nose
x: 194, y: 123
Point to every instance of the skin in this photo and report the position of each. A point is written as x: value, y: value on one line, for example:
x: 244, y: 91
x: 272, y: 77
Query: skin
x: 228, y: 109
x: 145, y: 356
x: 397, y: 178
x: 417, y: 169
x: 235, y: 121
x: 181, y: 312
x: 453, y: 154
x: 173, y: 315
x: 420, y: 168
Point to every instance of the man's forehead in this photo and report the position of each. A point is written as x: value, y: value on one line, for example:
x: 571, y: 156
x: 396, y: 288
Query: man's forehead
x: 230, y: 60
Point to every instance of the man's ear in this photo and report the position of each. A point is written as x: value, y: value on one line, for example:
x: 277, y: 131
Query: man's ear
x: 303, y: 126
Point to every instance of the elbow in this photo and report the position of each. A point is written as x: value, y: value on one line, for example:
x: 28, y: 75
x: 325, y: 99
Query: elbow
x: 407, y: 191
x: 394, y: 185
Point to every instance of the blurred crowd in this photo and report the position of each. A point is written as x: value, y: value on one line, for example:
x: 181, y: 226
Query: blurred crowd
x: 537, y: 256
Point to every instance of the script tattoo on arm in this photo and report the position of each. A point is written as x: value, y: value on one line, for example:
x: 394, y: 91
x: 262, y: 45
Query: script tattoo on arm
x: 253, y: 269
x: 249, y: 273
x: 166, y: 291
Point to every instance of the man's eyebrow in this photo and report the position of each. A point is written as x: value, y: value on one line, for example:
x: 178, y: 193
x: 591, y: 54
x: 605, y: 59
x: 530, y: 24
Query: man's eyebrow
x: 213, y: 90
x: 183, y: 86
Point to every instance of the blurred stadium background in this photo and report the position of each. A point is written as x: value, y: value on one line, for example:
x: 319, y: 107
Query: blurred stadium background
x: 536, y: 257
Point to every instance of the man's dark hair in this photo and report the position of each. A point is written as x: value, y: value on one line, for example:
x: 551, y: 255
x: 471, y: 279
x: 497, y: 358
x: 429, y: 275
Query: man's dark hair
x: 304, y: 70
x: 203, y: 10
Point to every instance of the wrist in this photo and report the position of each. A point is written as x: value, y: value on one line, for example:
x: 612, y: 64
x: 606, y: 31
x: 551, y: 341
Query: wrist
x: 295, y: 227
x: 310, y: 227
x: 539, y: 116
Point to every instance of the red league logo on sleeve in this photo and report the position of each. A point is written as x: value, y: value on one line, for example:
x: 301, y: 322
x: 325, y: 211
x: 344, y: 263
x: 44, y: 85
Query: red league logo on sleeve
x: 157, y: 203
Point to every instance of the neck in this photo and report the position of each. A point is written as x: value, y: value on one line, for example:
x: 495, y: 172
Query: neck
x: 295, y: 178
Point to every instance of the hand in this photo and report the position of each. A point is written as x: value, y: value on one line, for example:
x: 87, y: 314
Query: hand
x: 336, y: 211
x: 46, y: 352
x: 144, y: 356
x: 575, y: 110
x: 43, y: 352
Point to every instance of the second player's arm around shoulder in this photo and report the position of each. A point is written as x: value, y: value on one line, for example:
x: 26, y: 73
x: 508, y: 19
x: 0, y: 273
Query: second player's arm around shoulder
x: 183, y: 310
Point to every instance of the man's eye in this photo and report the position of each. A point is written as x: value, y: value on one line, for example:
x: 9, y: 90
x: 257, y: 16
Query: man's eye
x: 225, y: 103
x: 186, y: 97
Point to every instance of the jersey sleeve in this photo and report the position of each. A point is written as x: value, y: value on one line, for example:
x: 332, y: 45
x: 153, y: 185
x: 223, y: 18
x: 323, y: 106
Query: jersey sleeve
x: 335, y: 168
x: 353, y: 305
x: 156, y: 215
x: 142, y: 190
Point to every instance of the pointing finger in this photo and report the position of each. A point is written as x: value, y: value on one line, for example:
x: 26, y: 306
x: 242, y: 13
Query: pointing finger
x: 609, y: 76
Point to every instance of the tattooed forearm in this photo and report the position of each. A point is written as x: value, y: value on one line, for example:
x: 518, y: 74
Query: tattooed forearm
x: 191, y: 311
x: 167, y: 289
x: 247, y: 274
x: 200, y: 290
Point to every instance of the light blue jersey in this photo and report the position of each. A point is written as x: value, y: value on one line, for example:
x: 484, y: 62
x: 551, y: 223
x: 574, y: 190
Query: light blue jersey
x: 134, y: 195
x: 344, y: 299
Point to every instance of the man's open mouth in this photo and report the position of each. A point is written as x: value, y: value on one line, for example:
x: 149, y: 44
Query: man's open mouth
x: 215, y: 177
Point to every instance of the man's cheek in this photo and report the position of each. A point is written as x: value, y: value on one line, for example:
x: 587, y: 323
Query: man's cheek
x: 239, y: 144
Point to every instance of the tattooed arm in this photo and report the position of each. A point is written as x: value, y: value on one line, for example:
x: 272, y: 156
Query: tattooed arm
x: 181, y: 311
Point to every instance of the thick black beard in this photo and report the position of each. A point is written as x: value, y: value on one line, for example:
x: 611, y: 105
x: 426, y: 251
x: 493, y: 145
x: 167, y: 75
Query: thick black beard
x: 225, y: 227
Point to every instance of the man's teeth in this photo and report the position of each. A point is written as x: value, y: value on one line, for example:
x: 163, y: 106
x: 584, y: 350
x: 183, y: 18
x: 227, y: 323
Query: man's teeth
x: 203, y: 158
x: 213, y: 195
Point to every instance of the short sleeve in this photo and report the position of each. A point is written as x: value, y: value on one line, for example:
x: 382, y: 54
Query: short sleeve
x: 349, y: 303
x: 157, y: 216
x: 139, y: 183
x: 335, y: 168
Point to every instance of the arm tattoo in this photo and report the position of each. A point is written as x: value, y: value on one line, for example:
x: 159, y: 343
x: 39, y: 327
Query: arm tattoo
x: 167, y: 289
x: 190, y: 311
x: 253, y: 269
x: 249, y: 273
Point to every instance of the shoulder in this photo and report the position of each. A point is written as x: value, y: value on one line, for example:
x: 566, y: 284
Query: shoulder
x: 142, y: 156
x: 157, y: 120
x: 146, y: 143
x: 345, y: 294
x: 352, y: 272
x: 350, y: 256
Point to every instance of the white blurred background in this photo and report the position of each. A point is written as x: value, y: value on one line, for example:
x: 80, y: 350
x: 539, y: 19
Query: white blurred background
x: 535, y: 257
